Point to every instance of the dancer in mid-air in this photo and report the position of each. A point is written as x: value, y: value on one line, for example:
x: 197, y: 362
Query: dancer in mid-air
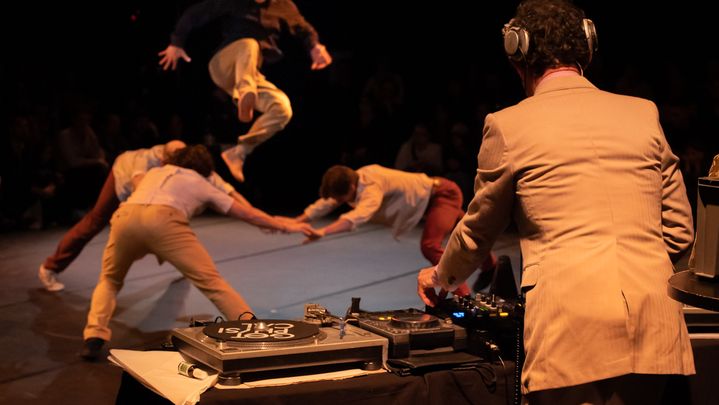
x: 250, y: 31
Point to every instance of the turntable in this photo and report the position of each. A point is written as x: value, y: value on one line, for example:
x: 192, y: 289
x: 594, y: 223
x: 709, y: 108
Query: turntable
x: 411, y: 330
x: 241, y: 348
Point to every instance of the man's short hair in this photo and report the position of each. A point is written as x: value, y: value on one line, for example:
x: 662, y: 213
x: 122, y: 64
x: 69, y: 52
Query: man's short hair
x: 195, y: 157
x: 556, y: 34
x: 337, y: 181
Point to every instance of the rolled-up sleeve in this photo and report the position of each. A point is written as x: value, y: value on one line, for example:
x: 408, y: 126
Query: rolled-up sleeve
x: 218, y: 200
x: 220, y: 183
x: 369, y: 202
x: 320, y: 208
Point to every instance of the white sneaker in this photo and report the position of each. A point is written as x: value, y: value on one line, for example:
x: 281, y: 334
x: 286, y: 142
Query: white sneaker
x: 48, y: 278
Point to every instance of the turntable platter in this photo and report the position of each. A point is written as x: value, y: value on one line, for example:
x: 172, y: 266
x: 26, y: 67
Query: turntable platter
x: 414, y: 321
x: 411, y: 329
x: 256, y: 331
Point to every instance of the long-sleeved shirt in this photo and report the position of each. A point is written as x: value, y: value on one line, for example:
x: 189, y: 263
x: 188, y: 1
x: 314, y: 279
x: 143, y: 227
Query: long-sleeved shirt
x: 391, y: 197
x: 247, y: 19
x: 180, y: 188
x: 135, y: 162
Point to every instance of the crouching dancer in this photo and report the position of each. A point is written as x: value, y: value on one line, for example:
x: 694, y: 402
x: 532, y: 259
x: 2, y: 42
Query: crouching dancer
x: 155, y: 219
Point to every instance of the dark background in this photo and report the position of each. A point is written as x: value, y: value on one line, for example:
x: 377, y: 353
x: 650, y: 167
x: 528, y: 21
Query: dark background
x: 448, y: 55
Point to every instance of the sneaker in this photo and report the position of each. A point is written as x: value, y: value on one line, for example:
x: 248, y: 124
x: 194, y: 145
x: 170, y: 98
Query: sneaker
x: 235, y: 159
x: 246, y: 106
x: 48, y: 278
x: 92, y: 349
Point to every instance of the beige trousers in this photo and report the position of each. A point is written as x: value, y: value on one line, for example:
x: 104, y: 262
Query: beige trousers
x: 137, y: 230
x: 235, y: 69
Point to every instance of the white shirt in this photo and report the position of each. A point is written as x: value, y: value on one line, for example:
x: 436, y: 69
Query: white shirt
x: 180, y: 188
x: 132, y: 163
x: 391, y: 197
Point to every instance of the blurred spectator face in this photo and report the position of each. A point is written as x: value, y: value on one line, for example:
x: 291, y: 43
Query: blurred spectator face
x: 21, y: 129
x: 420, y: 135
x: 175, y: 128
x: 114, y: 124
x: 459, y: 130
x: 82, y: 119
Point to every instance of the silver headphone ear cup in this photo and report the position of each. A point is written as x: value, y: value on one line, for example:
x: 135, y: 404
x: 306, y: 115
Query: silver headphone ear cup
x: 511, y: 43
x: 523, y: 41
x: 591, y: 34
x: 516, y: 42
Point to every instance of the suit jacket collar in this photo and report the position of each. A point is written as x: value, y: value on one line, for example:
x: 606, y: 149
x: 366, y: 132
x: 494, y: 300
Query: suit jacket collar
x: 563, y: 83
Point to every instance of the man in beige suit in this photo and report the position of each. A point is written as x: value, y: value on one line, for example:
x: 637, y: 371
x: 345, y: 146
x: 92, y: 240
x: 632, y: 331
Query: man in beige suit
x: 602, y: 213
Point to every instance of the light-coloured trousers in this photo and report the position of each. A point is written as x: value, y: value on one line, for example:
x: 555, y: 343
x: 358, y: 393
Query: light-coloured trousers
x: 235, y: 69
x: 137, y: 230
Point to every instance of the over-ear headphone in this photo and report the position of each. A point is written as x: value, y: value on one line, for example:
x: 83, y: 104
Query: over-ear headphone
x: 592, y: 41
x: 516, y: 40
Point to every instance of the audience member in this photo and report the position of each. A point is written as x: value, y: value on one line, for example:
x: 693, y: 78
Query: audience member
x: 419, y: 154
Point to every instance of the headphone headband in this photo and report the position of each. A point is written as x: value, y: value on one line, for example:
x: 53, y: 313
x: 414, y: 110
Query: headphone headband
x: 516, y: 40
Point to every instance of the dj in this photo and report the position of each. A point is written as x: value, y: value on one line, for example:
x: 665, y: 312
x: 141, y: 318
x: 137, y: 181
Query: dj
x: 155, y: 220
x: 602, y: 213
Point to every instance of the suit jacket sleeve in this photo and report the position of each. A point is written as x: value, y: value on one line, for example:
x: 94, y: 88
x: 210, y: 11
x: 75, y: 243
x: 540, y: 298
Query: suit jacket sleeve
x: 488, y: 213
x: 677, y: 224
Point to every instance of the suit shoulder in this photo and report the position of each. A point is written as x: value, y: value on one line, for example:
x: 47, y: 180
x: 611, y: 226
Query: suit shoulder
x: 629, y: 101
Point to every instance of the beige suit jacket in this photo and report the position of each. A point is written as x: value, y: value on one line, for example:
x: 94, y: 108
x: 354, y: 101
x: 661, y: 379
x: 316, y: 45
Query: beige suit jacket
x: 597, y: 196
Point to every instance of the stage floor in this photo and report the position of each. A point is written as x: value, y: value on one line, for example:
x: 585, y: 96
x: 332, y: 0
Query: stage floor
x: 276, y: 273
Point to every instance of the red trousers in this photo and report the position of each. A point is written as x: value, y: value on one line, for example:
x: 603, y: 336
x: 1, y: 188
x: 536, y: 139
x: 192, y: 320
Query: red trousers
x: 82, y: 232
x: 443, y: 212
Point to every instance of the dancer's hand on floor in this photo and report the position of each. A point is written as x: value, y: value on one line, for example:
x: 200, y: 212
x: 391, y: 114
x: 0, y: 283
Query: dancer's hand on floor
x: 316, y: 235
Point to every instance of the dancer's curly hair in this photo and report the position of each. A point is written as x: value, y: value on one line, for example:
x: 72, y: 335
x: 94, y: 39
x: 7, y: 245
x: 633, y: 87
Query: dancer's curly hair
x: 195, y: 157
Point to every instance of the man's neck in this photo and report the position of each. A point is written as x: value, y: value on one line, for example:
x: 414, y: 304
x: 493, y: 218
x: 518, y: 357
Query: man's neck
x: 553, y: 73
x: 559, y: 72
